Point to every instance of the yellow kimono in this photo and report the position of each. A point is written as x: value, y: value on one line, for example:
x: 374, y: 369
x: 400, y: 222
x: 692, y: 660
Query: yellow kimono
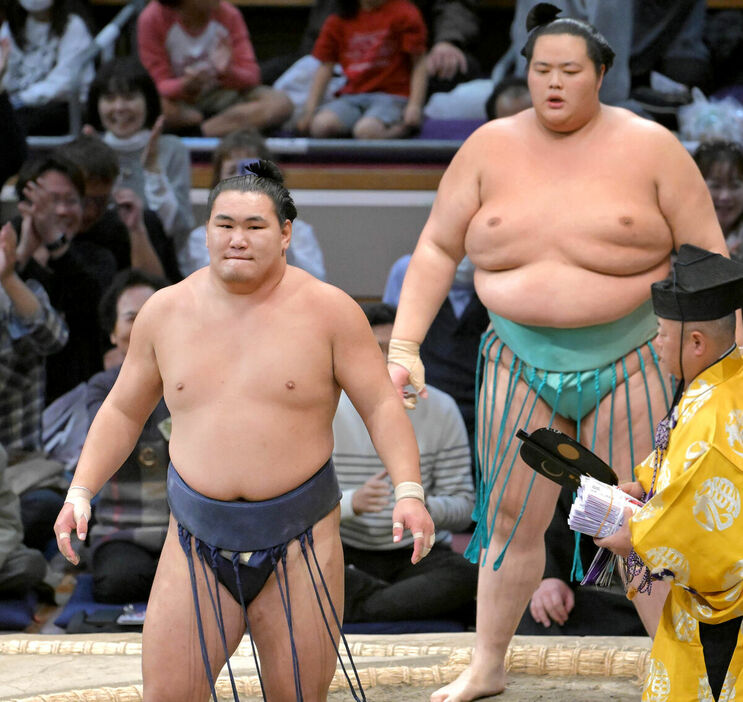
x: 692, y: 532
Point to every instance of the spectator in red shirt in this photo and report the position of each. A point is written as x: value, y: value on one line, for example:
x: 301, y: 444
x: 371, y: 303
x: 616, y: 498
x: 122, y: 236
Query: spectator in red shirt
x: 199, y: 54
x: 381, y: 47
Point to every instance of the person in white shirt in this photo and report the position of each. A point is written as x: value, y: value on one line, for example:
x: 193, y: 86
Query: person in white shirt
x: 381, y: 583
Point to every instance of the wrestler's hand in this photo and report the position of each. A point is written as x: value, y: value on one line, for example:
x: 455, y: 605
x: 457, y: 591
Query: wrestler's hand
x: 552, y: 601
x: 411, y: 513
x: 63, y: 528
x: 406, y: 368
x: 620, y: 542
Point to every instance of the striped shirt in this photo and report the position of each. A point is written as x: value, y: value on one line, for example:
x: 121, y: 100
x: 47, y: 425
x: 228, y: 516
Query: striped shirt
x: 445, y: 471
x: 24, y: 343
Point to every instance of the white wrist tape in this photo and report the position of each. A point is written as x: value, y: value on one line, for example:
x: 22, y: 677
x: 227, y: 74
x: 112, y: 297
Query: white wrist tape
x: 409, y: 489
x: 407, y: 355
x: 79, y: 497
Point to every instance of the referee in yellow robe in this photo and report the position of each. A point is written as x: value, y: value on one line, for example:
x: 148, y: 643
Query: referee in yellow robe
x: 690, y: 531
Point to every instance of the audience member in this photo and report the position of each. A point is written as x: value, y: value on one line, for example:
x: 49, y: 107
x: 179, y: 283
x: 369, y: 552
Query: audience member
x: 48, y: 42
x: 508, y: 98
x: 560, y: 606
x: 449, y: 351
x: 199, y: 54
x: 381, y: 582
x: 11, y: 133
x: 22, y: 569
x: 124, y: 105
x: 304, y: 251
x: 115, y: 217
x: 74, y: 274
x: 668, y: 37
x: 131, y: 511
x: 30, y: 330
x: 721, y: 164
x: 381, y: 47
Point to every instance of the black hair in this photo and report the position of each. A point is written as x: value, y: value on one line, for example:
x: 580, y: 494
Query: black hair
x: 93, y: 156
x: 262, y: 176
x: 709, y: 153
x: 247, y: 140
x: 60, y: 13
x: 121, y: 282
x: 123, y: 76
x: 37, y: 166
x: 379, y: 313
x: 510, y: 84
x: 542, y: 19
x: 347, y: 9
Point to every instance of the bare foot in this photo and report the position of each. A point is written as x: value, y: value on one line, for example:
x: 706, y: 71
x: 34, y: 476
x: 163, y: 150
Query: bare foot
x: 472, y: 685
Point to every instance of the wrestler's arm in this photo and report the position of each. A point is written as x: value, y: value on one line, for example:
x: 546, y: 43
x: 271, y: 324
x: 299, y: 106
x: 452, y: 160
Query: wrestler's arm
x: 118, y: 423
x: 359, y: 369
x: 683, y: 196
x: 440, y: 248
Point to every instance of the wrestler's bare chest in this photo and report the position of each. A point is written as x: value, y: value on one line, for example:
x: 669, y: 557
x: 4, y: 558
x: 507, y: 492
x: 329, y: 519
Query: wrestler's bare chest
x: 235, y: 364
x: 594, y: 209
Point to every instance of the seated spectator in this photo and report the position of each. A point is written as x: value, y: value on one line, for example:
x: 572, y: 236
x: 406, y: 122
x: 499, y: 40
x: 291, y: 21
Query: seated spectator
x: 48, y: 42
x: 560, y: 606
x: 73, y: 273
x: 303, y: 252
x: 199, y: 54
x: 509, y: 97
x: 449, y: 351
x: 453, y: 28
x: 11, y: 134
x: 381, y: 47
x: 30, y: 330
x: 115, y: 217
x: 22, y: 569
x: 721, y: 164
x: 668, y: 37
x: 124, y: 106
x: 381, y: 584
x: 131, y: 514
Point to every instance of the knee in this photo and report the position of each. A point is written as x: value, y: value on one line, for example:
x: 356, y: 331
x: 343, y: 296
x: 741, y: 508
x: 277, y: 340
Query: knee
x: 279, y: 106
x: 325, y: 125
x: 368, y: 128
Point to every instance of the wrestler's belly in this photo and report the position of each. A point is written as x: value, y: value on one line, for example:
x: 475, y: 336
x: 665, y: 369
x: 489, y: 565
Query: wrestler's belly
x: 556, y: 294
x: 252, y: 457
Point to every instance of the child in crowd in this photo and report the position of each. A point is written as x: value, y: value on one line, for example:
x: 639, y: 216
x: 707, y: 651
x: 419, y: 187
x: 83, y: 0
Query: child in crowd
x: 381, y: 46
x: 721, y: 163
x: 47, y: 41
x: 303, y: 252
x: 199, y: 54
x: 124, y: 105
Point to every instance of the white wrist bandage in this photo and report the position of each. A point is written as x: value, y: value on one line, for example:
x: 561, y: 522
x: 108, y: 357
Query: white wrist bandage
x: 79, y: 497
x: 409, y: 489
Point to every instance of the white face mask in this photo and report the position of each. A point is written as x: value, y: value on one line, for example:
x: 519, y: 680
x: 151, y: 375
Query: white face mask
x: 35, y: 5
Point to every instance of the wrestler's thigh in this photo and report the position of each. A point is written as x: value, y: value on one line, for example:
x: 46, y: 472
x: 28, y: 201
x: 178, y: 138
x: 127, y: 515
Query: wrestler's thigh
x: 624, y: 437
x: 315, y: 651
x: 512, y: 407
x: 172, y: 666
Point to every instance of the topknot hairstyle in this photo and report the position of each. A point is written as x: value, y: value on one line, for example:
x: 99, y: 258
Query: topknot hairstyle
x: 543, y: 19
x: 260, y: 176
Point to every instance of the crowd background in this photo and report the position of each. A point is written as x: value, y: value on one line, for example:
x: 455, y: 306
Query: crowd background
x: 103, y: 218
